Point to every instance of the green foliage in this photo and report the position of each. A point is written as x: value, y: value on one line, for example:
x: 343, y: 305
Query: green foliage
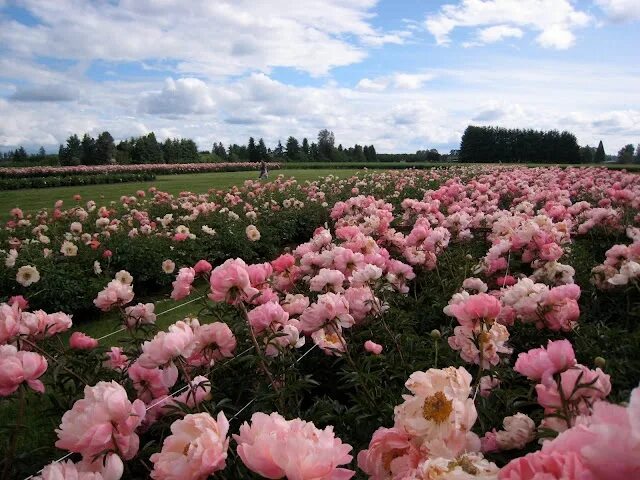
x: 501, y: 145
x: 69, y: 180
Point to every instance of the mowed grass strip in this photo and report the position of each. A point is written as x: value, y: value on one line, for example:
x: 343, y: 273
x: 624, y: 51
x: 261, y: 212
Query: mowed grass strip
x: 34, y: 199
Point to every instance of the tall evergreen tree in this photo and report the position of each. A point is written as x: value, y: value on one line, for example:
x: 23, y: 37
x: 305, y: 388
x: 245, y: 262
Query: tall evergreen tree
x: 262, y: 150
x: 305, y: 146
x: 41, y: 152
x: 105, y: 149
x: 20, y: 154
x: 599, y: 157
x: 326, y: 142
x: 293, y: 148
x: 254, y: 155
x: 88, y: 150
x: 279, y: 150
x: 625, y: 154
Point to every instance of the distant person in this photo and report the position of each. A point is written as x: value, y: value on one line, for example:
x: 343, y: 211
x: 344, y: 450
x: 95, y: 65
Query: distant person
x: 264, y: 173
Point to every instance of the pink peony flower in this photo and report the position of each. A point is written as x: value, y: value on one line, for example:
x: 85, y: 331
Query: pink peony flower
x: 276, y: 448
x: 182, y: 284
x: 152, y: 383
x: 373, y: 347
x: 178, y: 341
x: 17, y: 367
x: 230, y: 283
x: 19, y: 301
x: 213, y: 342
x: 439, y: 413
x: 202, y: 267
x: 390, y: 455
x: 116, y: 293
x: 116, y: 359
x: 476, y: 308
x: 81, y: 341
x: 543, y: 466
x: 327, y: 280
x: 196, y: 448
x: 104, y: 420
x: 111, y: 468
x: 9, y: 322
x: 140, y: 314
x: 329, y: 307
x: 540, y: 362
x: 260, y: 318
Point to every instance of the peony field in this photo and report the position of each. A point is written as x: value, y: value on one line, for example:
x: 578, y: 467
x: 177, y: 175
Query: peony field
x: 445, y: 323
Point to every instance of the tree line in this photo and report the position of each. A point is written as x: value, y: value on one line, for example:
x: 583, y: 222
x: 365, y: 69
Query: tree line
x: 502, y: 145
x: 323, y: 150
x: 479, y: 144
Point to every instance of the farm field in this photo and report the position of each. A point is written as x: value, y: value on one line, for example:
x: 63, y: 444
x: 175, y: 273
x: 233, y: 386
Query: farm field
x: 384, y: 324
x: 34, y: 199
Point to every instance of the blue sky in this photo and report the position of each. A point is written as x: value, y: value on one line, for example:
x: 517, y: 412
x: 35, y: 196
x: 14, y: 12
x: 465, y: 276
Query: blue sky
x: 403, y: 75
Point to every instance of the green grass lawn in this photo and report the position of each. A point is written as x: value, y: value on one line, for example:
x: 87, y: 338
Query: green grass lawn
x: 37, y: 198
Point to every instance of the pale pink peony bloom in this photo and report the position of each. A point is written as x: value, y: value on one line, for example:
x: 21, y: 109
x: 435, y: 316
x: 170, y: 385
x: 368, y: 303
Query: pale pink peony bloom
x: 202, y: 267
x: 276, y: 448
x: 469, y: 466
x: 213, y: 342
x: 20, y: 301
x: 196, y: 448
x: 253, y: 234
x: 439, y: 413
x: 178, y: 341
x: 373, y: 347
x: 541, y: 362
x: 230, y: 283
x: 561, y: 305
x: 152, y: 383
x: 111, y: 468
x: 478, y: 307
x: 168, y: 266
x: 116, y: 293
x: 519, y: 430
x: 182, y: 284
x: 391, y: 455
x: 262, y: 317
x: 330, y: 307
x: 543, y: 466
x: 116, y: 359
x: 82, y: 341
x: 295, y: 304
x: 17, y: 367
x: 327, y: 280
x: 287, y: 336
x: 9, y: 322
x: 487, y: 385
x: 608, y: 440
x: 581, y: 387
x: 476, y: 284
x: 140, y: 314
x: 362, y: 302
x: 103, y: 420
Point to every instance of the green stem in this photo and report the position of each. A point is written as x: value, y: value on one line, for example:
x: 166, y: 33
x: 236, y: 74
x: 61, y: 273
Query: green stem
x: 8, y: 459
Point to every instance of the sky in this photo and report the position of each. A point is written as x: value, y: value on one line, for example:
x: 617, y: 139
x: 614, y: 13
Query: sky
x: 403, y: 75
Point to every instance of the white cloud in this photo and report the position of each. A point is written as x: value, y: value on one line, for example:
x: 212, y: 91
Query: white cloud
x: 554, y: 19
x: 498, y: 32
x: 179, y: 97
x: 45, y: 93
x: 224, y: 37
x: 399, y: 81
x: 620, y: 10
x: 376, y: 85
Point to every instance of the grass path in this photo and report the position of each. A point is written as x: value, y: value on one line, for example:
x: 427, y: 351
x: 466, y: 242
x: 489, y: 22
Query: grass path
x: 37, y: 198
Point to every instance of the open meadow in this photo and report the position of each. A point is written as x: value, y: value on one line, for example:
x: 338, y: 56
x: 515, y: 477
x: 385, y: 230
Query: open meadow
x: 396, y: 324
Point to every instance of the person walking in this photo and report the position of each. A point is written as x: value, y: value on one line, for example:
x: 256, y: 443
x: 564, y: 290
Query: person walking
x: 264, y: 173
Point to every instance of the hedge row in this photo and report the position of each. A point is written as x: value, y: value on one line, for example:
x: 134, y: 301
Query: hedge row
x: 68, y: 181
